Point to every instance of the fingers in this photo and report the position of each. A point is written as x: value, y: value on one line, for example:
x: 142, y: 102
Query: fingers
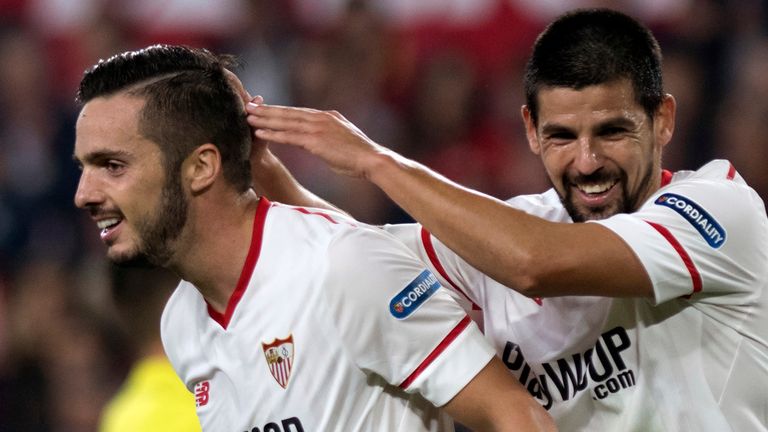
x: 298, y: 139
x: 259, y: 110
x: 280, y: 118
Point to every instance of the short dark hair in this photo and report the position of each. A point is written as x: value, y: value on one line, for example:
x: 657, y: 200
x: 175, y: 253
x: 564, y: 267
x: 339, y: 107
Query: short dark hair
x: 189, y: 102
x: 595, y: 46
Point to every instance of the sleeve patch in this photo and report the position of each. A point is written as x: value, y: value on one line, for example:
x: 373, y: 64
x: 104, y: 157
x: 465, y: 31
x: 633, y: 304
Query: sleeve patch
x: 414, y: 295
x: 712, y: 232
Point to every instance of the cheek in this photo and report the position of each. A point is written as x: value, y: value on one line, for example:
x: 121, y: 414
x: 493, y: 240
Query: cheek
x: 555, y: 160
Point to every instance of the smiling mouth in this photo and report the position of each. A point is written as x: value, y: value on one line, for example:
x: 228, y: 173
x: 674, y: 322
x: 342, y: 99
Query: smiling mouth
x: 596, y: 188
x: 105, y: 225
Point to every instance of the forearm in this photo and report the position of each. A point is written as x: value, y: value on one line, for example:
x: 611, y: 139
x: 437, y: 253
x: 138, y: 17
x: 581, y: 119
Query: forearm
x: 495, y: 401
x: 532, y: 255
x: 272, y: 179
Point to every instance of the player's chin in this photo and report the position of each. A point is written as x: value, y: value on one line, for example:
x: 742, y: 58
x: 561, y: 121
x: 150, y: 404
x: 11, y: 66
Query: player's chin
x: 584, y: 213
x: 129, y: 259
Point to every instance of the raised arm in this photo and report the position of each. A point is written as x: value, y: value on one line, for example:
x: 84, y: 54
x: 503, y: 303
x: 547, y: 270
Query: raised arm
x: 529, y: 254
x: 272, y: 179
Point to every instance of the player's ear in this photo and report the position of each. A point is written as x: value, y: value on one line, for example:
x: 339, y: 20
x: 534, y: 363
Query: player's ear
x: 530, y: 130
x: 202, y: 167
x: 664, y: 120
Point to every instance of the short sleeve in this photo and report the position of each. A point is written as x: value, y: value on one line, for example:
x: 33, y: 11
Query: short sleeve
x: 452, y: 271
x: 396, y: 320
x: 699, y: 237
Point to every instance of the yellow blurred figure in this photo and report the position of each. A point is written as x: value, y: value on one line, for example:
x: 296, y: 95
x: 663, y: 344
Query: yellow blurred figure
x: 152, y: 398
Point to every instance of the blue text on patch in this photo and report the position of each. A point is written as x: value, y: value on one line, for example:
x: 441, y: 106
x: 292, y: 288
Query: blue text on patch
x: 414, y: 295
x: 705, y: 224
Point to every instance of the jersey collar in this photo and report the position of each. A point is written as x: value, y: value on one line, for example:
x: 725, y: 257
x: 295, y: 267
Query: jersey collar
x: 247, y: 271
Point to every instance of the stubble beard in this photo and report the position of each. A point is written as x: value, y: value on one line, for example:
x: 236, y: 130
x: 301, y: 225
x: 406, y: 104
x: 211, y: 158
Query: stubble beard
x: 627, y: 203
x: 156, y: 235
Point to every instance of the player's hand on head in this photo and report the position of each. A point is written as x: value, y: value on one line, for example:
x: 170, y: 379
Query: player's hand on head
x: 326, y: 134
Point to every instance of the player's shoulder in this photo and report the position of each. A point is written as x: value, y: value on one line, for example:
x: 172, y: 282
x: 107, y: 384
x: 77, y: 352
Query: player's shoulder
x: 545, y: 205
x: 181, y: 312
x: 715, y: 170
x: 718, y: 183
x: 364, y: 242
x: 310, y: 215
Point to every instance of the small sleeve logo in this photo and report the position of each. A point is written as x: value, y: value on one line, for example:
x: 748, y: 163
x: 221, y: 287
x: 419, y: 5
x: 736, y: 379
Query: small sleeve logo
x: 414, y: 295
x: 202, y: 393
x: 712, y: 232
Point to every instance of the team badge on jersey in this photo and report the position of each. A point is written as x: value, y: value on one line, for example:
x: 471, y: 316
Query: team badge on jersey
x: 705, y: 224
x: 414, y: 295
x: 279, y: 355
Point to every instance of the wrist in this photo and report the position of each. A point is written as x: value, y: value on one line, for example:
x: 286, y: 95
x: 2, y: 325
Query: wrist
x: 380, y: 166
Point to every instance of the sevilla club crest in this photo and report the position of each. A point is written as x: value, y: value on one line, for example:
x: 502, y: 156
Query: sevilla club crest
x: 279, y: 354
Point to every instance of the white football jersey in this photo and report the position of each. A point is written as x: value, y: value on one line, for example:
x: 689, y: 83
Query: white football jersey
x: 333, y: 326
x: 694, y: 358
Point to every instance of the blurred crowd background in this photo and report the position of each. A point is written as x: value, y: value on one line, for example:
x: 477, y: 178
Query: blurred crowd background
x: 438, y: 80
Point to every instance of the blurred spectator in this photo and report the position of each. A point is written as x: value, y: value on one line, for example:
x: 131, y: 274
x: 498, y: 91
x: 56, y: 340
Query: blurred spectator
x: 152, y: 397
x: 265, y: 44
x: 742, y: 134
x: 35, y: 175
x: 62, y: 360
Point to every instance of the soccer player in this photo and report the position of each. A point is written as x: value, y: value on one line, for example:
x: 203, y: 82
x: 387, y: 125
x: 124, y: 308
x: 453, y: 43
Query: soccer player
x: 651, y: 317
x: 287, y: 318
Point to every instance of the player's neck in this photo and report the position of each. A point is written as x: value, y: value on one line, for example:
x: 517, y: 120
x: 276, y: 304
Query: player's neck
x: 213, y: 255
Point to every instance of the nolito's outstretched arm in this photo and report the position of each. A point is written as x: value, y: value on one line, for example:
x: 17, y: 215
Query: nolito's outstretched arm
x: 529, y: 254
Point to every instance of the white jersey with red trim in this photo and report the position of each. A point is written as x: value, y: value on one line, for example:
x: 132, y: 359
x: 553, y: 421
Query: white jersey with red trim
x: 694, y: 358
x: 333, y: 326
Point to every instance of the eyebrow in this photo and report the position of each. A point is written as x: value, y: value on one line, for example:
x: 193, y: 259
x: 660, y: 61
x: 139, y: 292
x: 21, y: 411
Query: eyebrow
x: 100, y: 155
x: 618, y: 121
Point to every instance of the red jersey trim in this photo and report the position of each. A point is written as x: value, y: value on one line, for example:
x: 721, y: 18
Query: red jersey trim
x: 694, y: 272
x: 666, y: 177
x: 731, y: 172
x: 426, y: 240
x: 436, y: 352
x: 250, y: 264
x: 305, y: 211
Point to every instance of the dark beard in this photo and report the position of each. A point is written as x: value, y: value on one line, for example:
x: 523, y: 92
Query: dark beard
x: 156, y: 236
x: 627, y: 204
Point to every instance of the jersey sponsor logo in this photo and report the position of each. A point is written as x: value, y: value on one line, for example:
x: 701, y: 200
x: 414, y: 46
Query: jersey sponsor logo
x: 202, y: 393
x: 279, y: 355
x: 705, y: 224
x: 602, y: 369
x: 292, y: 424
x: 414, y: 295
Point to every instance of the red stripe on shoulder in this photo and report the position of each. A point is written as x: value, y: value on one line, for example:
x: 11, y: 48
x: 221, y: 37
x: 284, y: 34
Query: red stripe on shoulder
x: 250, y: 264
x: 666, y: 177
x: 452, y: 335
x: 731, y: 172
x: 692, y: 270
x: 305, y: 211
x: 426, y: 240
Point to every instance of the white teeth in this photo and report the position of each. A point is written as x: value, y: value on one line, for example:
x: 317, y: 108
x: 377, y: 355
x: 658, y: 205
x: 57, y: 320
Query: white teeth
x: 596, y: 188
x: 102, y: 224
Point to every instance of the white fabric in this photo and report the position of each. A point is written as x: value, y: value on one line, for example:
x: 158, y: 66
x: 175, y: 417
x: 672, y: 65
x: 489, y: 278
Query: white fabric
x: 673, y: 363
x: 328, y: 283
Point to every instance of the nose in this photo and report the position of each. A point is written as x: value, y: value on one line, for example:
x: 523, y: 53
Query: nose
x: 589, y: 156
x: 87, y: 194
